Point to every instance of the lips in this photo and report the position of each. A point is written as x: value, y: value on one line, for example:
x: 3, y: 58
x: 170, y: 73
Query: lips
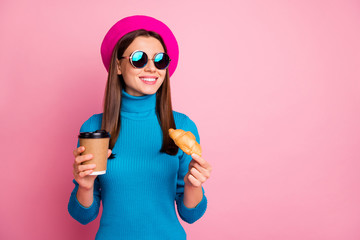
x: 150, y: 80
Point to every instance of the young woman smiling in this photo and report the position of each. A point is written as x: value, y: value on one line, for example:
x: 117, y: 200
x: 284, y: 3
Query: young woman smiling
x: 146, y: 172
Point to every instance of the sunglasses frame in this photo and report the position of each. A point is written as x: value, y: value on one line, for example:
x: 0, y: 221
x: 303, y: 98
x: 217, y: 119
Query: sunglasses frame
x: 131, y: 62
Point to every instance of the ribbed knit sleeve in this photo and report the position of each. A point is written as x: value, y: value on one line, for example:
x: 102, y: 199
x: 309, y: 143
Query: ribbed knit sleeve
x: 189, y: 215
x: 82, y: 214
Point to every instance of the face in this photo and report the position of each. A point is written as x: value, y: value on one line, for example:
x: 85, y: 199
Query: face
x: 134, y: 78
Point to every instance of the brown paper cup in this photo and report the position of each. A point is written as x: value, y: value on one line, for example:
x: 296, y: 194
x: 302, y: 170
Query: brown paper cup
x: 97, y: 144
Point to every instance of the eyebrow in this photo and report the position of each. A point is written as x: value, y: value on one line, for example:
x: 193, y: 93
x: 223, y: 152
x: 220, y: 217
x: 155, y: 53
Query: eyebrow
x: 146, y: 52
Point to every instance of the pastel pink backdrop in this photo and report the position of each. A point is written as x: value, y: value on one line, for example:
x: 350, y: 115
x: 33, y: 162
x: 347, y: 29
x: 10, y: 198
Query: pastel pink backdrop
x: 273, y: 87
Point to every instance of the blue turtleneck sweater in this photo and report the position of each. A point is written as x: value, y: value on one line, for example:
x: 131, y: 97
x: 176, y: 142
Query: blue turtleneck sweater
x: 141, y: 184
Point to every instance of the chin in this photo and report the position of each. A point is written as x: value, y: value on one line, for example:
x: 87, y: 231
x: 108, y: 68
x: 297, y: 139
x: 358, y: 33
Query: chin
x: 150, y: 91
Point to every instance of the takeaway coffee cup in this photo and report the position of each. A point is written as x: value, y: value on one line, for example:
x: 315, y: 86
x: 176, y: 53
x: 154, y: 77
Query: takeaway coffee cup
x: 97, y: 144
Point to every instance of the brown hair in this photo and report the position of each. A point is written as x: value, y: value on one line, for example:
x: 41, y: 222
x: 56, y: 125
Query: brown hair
x: 111, y: 120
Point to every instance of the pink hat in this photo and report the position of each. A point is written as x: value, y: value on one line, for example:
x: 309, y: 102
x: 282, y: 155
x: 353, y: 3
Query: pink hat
x: 131, y: 23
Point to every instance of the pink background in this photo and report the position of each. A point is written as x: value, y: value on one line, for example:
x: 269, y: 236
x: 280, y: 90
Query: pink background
x: 273, y: 87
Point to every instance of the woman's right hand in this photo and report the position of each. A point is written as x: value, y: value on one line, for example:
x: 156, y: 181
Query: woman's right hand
x: 81, y: 172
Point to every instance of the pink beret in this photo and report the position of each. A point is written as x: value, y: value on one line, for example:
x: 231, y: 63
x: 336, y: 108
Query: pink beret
x: 131, y: 23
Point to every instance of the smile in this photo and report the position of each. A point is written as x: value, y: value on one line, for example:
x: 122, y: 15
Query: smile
x: 149, y: 80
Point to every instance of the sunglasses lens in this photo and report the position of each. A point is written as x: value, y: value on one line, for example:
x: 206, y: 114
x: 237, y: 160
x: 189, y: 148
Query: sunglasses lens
x: 161, y: 60
x: 139, y: 59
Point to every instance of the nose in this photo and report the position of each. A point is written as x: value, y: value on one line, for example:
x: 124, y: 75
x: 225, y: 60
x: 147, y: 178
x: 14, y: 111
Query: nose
x: 150, y: 66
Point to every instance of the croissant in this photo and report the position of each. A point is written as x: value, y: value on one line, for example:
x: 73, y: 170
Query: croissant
x: 186, y: 141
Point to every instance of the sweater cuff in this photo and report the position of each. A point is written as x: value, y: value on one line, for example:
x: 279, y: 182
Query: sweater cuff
x: 191, y: 215
x: 85, y: 208
x: 80, y: 213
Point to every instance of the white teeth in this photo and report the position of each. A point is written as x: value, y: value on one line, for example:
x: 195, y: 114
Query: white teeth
x: 149, y: 79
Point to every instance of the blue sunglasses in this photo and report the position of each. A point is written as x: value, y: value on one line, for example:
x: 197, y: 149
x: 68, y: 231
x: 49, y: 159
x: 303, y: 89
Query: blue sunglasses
x: 139, y: 59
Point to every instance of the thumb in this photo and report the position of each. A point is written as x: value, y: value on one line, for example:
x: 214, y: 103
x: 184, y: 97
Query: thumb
x: 109, y: 152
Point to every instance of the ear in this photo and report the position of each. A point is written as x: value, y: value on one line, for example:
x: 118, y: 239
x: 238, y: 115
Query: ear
x: 118, y: 67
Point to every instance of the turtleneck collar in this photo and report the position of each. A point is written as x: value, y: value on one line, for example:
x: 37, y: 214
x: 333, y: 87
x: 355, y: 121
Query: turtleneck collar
x: 137, y: 104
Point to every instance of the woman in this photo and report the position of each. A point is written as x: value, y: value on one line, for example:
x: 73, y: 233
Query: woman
x: 146, y: 171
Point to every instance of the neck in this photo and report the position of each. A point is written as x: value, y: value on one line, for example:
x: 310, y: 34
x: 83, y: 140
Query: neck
x: 137, y: 104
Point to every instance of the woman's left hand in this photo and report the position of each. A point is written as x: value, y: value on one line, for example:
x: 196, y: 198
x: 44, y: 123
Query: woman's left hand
x: 199, y: 171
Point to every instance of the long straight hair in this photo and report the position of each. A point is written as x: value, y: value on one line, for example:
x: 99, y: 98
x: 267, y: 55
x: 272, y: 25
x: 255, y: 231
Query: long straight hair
x: 111, y: 120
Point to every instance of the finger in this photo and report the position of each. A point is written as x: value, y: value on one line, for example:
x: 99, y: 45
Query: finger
x: 75, y: 170
x: 202, y: 170
x: 109, y: 152
x: 193, y: 163
x: 204, y: 164
x: 200, y: 160
x: 85, y: 167
x: 74, y: 173
x: 85, y: 173
x: 194, y: 181
x: 197, y: 175
x: 78, y: 150
x: 82, y: 158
